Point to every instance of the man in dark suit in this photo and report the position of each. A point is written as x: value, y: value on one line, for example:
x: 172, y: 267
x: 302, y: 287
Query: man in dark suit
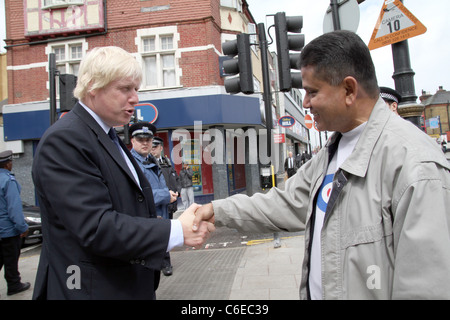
x: 101, y: 236
x: 290, y: 165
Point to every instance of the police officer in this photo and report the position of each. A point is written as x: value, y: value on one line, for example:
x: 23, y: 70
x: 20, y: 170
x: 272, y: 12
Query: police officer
x: 173, y: 183
x: 141, y: 135
x: 170, y: 174
x: 391, y: 97
x: 12, y: 225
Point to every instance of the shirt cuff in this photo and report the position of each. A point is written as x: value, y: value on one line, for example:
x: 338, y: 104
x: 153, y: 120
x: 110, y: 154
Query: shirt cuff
x: 176, y: 238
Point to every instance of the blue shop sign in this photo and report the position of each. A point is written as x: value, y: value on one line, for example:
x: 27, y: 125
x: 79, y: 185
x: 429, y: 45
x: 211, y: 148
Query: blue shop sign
x: 146, y: 112
x: 286, y: 121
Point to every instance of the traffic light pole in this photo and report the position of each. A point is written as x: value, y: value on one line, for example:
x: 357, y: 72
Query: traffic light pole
x: 267, y: 95
x: 52, y: 86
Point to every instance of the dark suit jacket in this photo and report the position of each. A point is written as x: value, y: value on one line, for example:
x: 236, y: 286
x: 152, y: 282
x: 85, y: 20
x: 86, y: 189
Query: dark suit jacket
x: 101, y: 236
x: 286, y: 164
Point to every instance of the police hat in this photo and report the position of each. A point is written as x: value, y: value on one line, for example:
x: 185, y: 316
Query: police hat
x: 5, y: 156
x: 157, y: 141
x: 390, y: 94
x: 142, y: 129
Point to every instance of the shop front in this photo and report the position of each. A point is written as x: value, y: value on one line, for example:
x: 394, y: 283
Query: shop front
x: 198, y: 126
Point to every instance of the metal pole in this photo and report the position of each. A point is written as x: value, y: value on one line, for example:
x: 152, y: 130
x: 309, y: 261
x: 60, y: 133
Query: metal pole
x: 263, y: 46
x: 335, y: 13
x: 404, y: 83
x: 52, y: 83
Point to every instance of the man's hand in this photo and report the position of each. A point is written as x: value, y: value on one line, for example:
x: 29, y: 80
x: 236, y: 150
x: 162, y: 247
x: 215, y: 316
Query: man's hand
x: 201, y: 234
x: 23, y: 235
x: 204, y: 213
x: 173, y: 196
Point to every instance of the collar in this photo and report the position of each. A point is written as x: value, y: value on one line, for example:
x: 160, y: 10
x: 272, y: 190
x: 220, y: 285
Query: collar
x: 358, y: 162
x: 137, y: 155
x: 100, y: 122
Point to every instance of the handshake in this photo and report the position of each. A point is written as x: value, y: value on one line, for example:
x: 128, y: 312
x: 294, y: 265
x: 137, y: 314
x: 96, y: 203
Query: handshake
x: 197, y: 222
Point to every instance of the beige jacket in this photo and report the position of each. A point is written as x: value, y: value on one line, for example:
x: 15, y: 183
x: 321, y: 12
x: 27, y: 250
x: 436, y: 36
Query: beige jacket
x: 386, y: 234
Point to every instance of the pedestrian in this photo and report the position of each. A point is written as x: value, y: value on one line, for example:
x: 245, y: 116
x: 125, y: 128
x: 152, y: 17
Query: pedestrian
x: 305, y: 157
x: 290, y: 165
x: 101, y: 235
x: 13, y: 226
x: 374, y: 201
x: 187, y: 190
x: 391, y: 97
x: 141, y: 134
x: 173, y: 183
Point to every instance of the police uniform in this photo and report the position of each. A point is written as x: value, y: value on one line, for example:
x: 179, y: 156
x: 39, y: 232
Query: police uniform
x: 170, y: 175
x: 390, y: 95
x: 12, y: 225
x: 152, y: 171
x: 143, y: 129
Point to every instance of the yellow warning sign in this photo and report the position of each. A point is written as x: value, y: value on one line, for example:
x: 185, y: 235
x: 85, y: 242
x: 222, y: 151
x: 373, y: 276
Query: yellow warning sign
x: 395, y: 24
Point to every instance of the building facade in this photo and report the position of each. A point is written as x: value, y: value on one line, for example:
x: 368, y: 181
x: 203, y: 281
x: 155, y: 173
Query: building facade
x: 437, y: 107
x: 179, y: 47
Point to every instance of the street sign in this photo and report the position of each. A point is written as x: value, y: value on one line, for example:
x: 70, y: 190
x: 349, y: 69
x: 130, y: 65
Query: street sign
x: 348, y: 16
x: 146, y: 112
x: 395, y: 24
x: 309, y: 122
x: 286, y: 121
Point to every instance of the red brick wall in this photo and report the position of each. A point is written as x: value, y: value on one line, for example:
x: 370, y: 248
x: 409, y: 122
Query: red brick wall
x: 198, y: 23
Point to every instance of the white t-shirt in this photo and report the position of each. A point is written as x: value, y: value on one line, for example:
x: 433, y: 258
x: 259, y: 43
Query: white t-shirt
x: 346, y: 146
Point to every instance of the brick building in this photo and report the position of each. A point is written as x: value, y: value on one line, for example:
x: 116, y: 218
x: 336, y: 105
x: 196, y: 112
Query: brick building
x: 437, y: 105
x: 177, y: 42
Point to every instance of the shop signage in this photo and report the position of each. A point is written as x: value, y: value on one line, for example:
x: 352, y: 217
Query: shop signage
x: 146, y: 112
x: 279, y: 138
x: 286, y: 121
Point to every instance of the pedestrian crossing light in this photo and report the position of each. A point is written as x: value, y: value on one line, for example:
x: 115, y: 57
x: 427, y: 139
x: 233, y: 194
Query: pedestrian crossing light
x: 241, y: 65
x: 285, y: 43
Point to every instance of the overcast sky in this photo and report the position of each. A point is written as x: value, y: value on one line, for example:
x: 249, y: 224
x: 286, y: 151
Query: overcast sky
x: 429, y: 52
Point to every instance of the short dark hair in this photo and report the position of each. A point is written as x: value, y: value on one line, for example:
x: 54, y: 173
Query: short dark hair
x: 339, y: 54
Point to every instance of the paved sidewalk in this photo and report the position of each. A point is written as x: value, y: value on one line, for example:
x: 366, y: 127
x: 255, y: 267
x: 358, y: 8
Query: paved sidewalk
x: 268, y: 273
x: 254, y: 272
x: 257, y: 271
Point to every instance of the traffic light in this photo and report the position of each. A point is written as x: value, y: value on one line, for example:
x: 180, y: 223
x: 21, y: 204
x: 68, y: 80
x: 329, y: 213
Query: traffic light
x: 241, y: 65
x: 285, y: 43
x: 67, y: 83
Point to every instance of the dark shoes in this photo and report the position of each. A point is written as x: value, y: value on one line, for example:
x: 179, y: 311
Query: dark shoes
x: 19, y: 288
x: 167, y: 271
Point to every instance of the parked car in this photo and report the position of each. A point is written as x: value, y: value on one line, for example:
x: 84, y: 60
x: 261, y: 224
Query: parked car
x: 33, y: 218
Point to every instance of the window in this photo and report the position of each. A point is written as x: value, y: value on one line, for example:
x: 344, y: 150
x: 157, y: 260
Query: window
x: 157, y: 47
x: 68, y: 57
x: 253, y: 36
x: 236, y: 4
x: 51, y: 4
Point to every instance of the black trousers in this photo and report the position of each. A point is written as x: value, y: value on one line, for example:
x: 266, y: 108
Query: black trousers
x: 9, y: 257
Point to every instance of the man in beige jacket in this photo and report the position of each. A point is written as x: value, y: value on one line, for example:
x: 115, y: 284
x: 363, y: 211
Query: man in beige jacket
x: 375, y: 202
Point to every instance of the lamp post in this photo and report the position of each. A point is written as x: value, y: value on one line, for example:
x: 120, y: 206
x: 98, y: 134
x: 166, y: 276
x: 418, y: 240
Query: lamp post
x: 403, y: 77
